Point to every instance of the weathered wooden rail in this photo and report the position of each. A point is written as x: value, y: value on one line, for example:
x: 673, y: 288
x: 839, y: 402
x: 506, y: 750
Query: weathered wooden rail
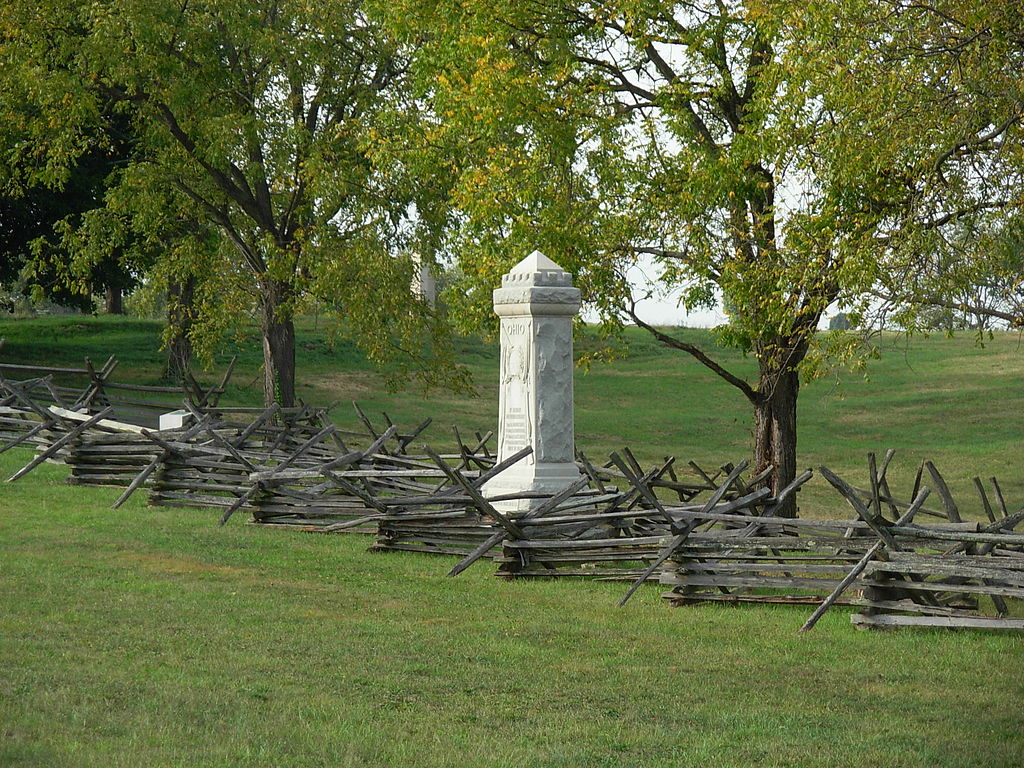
x: 924, y: 559
x: 212, y: 468
x: 623, y: 538
x: 331, y: 493
x: 90, y: 388
x: 49, y: 407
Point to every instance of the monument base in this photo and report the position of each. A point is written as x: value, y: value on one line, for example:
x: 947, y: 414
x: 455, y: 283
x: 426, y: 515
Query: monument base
x: 543, y: 477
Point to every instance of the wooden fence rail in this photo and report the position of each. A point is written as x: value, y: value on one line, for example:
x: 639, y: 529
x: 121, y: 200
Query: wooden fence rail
x: 923, y: 558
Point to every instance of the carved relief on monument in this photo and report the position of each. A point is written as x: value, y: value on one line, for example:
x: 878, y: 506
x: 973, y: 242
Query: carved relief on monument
x: 554, y: 378
x: 516, y: 427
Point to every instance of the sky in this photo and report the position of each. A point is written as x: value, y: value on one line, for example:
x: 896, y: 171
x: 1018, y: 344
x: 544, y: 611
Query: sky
x: 662, y: 308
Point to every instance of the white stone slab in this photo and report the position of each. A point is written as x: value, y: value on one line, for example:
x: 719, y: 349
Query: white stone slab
x: 174, y: 419
x: 119, y: 426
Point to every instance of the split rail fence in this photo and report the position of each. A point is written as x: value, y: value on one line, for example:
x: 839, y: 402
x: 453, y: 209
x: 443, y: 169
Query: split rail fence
x: 920, y: 559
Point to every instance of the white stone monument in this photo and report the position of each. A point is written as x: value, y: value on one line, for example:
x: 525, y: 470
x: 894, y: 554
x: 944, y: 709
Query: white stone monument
x: 536, y: 304
x: 423, y: 282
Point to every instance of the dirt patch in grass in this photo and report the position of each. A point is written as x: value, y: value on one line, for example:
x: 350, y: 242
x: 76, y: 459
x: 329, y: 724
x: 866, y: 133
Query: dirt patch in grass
x: 181, y: 566
x: 345, y: 381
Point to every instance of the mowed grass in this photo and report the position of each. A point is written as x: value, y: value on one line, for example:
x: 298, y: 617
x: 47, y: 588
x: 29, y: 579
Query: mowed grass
x: 152, y: 637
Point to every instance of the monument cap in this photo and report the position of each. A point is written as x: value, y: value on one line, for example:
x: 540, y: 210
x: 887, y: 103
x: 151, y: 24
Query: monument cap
x: 536, y: 285
x: 536, y: 269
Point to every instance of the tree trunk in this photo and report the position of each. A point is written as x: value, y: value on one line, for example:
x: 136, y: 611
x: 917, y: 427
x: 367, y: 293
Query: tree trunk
x: 775, y: 431
x: 114, y: 303
x: 180, y: 300
x: 278, y: 344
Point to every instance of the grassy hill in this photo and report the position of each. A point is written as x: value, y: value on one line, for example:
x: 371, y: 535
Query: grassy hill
x: 151, y: 637
x: 945, y: 399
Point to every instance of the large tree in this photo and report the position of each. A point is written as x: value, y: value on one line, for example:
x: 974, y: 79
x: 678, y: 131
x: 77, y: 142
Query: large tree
x: 264, y: 114
x: 696, y: 135
x: 607, y: 132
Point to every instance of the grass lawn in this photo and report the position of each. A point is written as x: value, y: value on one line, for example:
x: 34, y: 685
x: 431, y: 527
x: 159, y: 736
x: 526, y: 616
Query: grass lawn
x: 151, y: 637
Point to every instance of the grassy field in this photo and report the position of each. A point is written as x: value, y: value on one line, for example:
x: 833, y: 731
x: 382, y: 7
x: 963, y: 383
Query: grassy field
x: 151, y: 637
x: 945, y: 399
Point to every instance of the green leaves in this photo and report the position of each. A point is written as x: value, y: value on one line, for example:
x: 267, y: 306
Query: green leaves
x: 266, y: 121
x: 782, y: 154
x: 571, y: 139
x: 927, y: 109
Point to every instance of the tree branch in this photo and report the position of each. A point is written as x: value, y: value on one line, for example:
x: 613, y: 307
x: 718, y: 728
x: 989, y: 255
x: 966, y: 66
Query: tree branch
x: 1015, y: 319
x: 666, y: 71
x: 220, y: 218
x: 975, y: 141
x: 666, y: 253
x: 749, y: 392
x: 242, y: 196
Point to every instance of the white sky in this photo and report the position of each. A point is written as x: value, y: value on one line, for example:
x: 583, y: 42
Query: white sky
x: 663, y: 308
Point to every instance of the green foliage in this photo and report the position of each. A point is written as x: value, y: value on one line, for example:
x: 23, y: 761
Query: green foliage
x: 258, y: 120
x: 757, y: 150
x: 927, y: 103
x: 603, y: 133
x: 39, y: 240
